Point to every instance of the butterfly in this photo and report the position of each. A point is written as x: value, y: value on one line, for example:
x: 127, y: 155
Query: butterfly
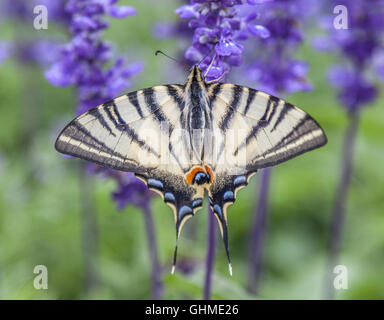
x: 185, y: 140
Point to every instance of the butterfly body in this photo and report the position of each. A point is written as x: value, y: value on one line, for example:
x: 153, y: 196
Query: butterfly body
x: 183, y: 140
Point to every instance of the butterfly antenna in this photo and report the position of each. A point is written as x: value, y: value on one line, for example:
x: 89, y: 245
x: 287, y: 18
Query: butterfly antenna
x: 164, y: 54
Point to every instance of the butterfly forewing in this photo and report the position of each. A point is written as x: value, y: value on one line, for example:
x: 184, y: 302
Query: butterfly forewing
x: 123, y: 133
x: 274, y: 130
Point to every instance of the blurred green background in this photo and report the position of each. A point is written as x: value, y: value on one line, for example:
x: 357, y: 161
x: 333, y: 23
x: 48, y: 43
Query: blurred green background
x: 40, y: 195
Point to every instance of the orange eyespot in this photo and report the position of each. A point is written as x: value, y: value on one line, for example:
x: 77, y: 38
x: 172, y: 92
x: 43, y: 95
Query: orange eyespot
x: 191, y: 174
x: 207, y: 171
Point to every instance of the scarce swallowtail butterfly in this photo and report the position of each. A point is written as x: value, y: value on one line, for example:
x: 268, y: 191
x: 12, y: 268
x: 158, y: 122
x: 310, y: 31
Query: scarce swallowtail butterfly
x: 183, y: 139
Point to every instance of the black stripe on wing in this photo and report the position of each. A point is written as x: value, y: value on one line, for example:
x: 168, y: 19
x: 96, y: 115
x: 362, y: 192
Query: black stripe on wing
x: 133, y: 99
x: 114, y: 115
x: 234, y: 104
x: 177, y: 98
x: 305, y: 136
x: 263, y: 122
x: 287, y: 107
x: 250, y: 98
x: 77, y: 141
x: 100, y: 118
x: 154, y: 108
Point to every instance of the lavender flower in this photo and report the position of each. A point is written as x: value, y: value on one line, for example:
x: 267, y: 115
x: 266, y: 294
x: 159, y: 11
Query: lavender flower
x: 218, y: 30
x: 130, y: 190
x: 22, y: 10
x: 83, y: 62
x: 41, y: 52
x: 361, y: 46
x: 361, y: 49
x: 274, y: 70
x: 4, y: 51
x: 84, y: 58
x: 32, y: 48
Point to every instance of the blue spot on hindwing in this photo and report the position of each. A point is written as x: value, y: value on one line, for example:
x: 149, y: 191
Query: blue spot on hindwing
x: 197, y: 203
x: 154, y: 183
x: 228, y: 196
x: 169, y: 197
x: 239, y: 181
x: 184, y: 210
x: 217, y: 209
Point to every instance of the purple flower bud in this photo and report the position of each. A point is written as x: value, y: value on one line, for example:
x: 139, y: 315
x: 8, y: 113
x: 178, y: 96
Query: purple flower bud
x: 228, y: 47
x: 258, y: 31
x: 186, y: 12
x: 57, y: 75
x: 193, y: 54
x: 121, y: 11
x: 84, y: 23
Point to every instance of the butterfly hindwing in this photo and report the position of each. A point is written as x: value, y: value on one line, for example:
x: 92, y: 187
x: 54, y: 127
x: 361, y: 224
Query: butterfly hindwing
x: 185, y: 200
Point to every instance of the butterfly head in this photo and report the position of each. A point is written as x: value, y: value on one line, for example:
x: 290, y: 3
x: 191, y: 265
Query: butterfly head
x: 195, y: 74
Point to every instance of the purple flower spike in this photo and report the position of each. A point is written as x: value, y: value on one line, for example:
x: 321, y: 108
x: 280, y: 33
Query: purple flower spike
x: 275, y: 39
x: 87, y: 63
x: 217, y: 27
x: 361, y: 46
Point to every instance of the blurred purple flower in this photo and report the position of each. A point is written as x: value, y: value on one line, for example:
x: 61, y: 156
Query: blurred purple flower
x: 362, y: 49
x: 273, y: 68
x: 89, y: 63
x: 27, y: 48
x: 269, y: 63
x: 130, y: 190
x: 83, y: 60
x: 217, y: 29
x: 22, y: 10
x: 4, y: 51
x: 42, y: 52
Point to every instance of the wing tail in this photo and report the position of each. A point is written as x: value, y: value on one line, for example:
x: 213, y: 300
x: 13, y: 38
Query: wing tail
x: 222, y: 193
x: 222, y: 221
x: 183, y: 199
